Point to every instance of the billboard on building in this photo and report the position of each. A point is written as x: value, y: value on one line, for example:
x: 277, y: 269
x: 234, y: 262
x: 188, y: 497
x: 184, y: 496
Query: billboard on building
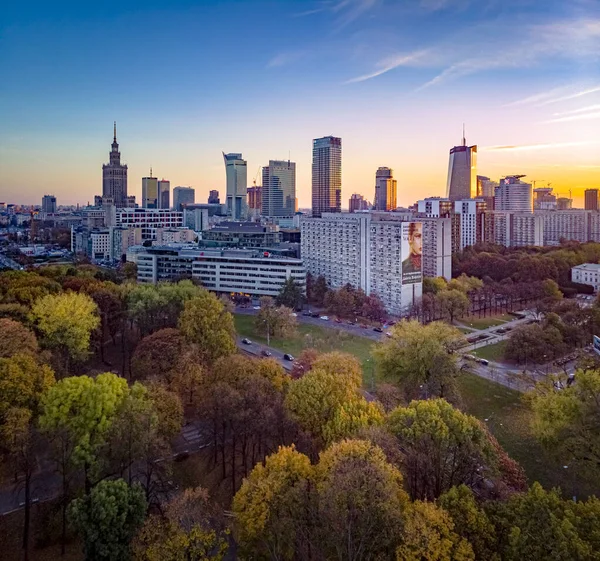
x: 596, y: 344
x: 412, y: 252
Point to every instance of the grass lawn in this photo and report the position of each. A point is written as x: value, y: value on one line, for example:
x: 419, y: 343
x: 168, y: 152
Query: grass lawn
x: 323, y: 339
x: 484, y: 323
x: 493, y: 352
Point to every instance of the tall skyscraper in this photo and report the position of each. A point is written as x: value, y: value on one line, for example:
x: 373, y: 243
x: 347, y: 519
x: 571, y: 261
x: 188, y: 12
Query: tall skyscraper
x: 326, y: 175
x: 183, y: 196
x: 385, y: 189
x: 279, y: 188
x: 237, y: 184
x: 114, y: 176
x: 462, y: 172
x: 150, y: 191
x: 591, y: 199
x: 514, y: 195
x: 213, y: 198
x: 164, y: 193
x: 49, y: 204
x: 357, y: 202
x: 255, y: 198
x: 486, y: 190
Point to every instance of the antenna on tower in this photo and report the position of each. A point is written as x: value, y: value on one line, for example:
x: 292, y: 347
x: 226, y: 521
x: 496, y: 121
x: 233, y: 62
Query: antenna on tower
x: 115, y: 131
x: 464, y: 139
x: 150, y: 171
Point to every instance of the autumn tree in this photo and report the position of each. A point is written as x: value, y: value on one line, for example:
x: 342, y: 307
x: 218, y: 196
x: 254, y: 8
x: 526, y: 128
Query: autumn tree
x: 16, y: 338
x: 534, y: 343
x: 157, y: 354
x: 274, y: 321
x: 107, y: 519
x: 373, y: 308
x: 453, y: 303
x: 419, y: 358
x: 442, y: 447
x: 66, y: 322
x: 291, y: 295
x: 205, y: 322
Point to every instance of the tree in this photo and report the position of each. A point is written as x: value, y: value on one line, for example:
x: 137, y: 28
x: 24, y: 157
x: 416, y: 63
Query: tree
x: 274, y: 321
x: 566, y: 421
x: 534, y: 343
x: 454, y: 303
x: 107, y: 519
x: 129, y: 270
x: 318, y: 291
x: 443, y: 447
x: 429, y: 536
x: 157, y: 354
x: 374, y: 309
x: 16, y: 338
x: 272, y: 508
x: 341, y: 302
x: 290, y: 295
x: 304, y: 362
x: 205, y: 322
x: 192, y: 528
x: 420, y: 359
x: 66, y: 322
x: 352, y: 416
x: 433, y: 285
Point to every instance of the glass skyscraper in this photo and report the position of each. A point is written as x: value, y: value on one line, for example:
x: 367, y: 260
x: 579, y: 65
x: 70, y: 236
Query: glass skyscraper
x: 326, y: 175
x: 385, y: 189
x: 462, y: 172
x: 237, y: 185
x: 279, y: 188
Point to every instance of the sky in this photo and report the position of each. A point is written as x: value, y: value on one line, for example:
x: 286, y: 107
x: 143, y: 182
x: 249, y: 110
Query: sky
x: 395, y: 79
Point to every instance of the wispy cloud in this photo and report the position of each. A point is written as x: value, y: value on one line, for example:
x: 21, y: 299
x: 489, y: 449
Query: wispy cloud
x: 536, y: 98
x: 351, y: 10
x: 283, y: 59
x: 572, y: 96
x: 584, y: 117
x: 388, y: 64
x: 524, y: 147
x: 580, y: 110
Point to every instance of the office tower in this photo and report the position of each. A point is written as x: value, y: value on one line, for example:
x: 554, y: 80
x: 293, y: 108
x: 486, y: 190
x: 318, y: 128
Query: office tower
x: 150, y: 191
x: 164, y: 194
x: 462, y: 172
x: 114, y: 175
x: 514, y: 195
x: 326, y: 175
x: 48, y: 204
x: 183, y: 196
x: 255, y: 198
x: 279, y: 188
x: 591, y: 199
x: 357, y: 203
x: 213, y: 198
x: 237, y: 184
x: 385, y: 190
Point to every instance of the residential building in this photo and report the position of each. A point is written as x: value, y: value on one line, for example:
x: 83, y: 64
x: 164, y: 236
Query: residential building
x: 48, y: 204
x: 544, y: 199
x: 254, y: 198
x: 174, y: 235
x: 462, y: 172
x: 213, y: 198
x: 121, y: 239
x: 183, y: 196
x: 514, y: 229
x: 472, y: 226
x: 437, y: 247
x: 591, y: 199
x: 514, y: 195
x: 570, y: 225
x: 279, y: 189
x: 326, y: 175
x: 256, y: 273
x: 587, y: 273
x: 149, y: 220
x: 385, y: 190
x: 164, y: 194
x: 237, y: 184
x: 150, y: 191
x: 196, y: 218
x: 242, y: 234
x: 114, y: 175
x: 486, y: 190
x: 435, y: 207
x: 357, y: 203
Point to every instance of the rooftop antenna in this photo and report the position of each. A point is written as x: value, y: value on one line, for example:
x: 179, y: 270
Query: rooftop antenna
x: 115, y: 131
x: 464, y: 138
x: 150, y: 171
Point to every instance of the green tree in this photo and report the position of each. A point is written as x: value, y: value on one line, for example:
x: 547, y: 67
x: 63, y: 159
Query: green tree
x: 419, y: 358
x: 291, y: 295
x: 16, y: 338
x: 534, y: 343
x: 205, y: 322
x: 352, y: 416
x: 318, y: 291
x: 274, y: 321
x: 434, y: 285
x: 66, y: 322
x: 107, y: 519
x: 453, y: 303
x: 443, y: 447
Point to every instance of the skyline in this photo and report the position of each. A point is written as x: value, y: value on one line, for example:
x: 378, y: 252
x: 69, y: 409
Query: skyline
x: 354, y: 69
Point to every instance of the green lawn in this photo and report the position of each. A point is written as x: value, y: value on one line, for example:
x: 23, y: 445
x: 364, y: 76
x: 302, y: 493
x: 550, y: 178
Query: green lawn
x: 493, y: 352
x: 484, y: 323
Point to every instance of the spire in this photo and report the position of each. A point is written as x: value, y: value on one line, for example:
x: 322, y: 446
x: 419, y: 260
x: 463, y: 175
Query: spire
x: 115, y: 132
x: 150, y: 171
x: 464, y: 140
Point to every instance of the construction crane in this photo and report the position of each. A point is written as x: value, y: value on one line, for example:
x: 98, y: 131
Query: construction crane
x: 257, y: 175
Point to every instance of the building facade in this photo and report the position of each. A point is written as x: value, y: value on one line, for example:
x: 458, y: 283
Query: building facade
x: 236, y: 186
x: 164, y: 194
x: 591, y: 199
x: 279, y: 189
x: 385, y: 190
x: 196, y: 219
x: 243, y: 235
x: 114, y: 175
x: 183, y: 196
x: 254, y: 198
x: 514, y: 195
x: 462, y: 172
x: 357, y: 203
x: 326, y: 175
x: 48, y: 204
x: 514, y: 229
x: 471, y: 213
x: 213, y: 197
x: 149, y: 220
x: 587, y: 273
x: 150, y: 191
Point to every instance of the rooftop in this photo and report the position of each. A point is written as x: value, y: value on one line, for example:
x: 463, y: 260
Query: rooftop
x: 591, y: 267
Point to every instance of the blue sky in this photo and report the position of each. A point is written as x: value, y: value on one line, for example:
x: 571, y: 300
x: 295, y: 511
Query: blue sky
x: 394, y: 79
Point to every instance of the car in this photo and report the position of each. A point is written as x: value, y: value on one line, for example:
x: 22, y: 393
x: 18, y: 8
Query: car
x: 388, y: 334
x: 294, y: 314
x: 314, y: 315
x: 391, y: 323
x: 324, y: 318
x: 378, y: 329
x: 256, y: 307
x: 264, y: 352
x: 306, y: 313
x: 246, y: 341
x: 288, y: 357
x: 484, y: 362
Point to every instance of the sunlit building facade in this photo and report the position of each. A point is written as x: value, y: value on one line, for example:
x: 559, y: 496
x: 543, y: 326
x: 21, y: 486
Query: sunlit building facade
x: 326, y: 175
x: 385, y: 189
x: 237, y: 184
x: 462, y: 172
x: 114, y: 176
x: 279, y: 189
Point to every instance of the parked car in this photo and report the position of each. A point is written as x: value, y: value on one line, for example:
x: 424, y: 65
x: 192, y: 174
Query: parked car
x: 484, y: 361
x: 314, y: 315
x: 378, y: 329
x: 256, y: 307
x: 289, y: 357
x: 307, y: 313
x: 246, y: 341
x: 325, y: 318
x: 264, y: 352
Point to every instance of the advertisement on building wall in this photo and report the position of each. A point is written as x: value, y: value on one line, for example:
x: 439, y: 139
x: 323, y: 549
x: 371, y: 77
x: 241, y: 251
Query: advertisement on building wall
x: 412, y: 252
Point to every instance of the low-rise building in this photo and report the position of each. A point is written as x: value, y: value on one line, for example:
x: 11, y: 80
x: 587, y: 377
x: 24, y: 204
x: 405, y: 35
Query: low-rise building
x: 587, y: 273
x: 242, y: 234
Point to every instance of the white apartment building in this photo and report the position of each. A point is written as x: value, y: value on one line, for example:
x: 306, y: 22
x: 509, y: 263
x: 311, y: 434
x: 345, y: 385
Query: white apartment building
x: 514, y: 195
x: 587, y: 273
x: 174, y: 235
x: 121, y: 239
x: 471, y: 213
x: 148, y: 219
x: 99, y: 244
x: 437, y: 247
x: 569, y: 225
x: 515, y: 229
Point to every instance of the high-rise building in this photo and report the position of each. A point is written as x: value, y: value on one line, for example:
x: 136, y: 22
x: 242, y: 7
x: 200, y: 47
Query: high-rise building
x: 183, y: 196
x: 462, y: 172
x: 486, y: 190
x: 255, y: 198
x: 357, y: 203
x: 564, y: 203
x: 48, y: 204
x: 385, y: 189
x: 591, y: 199
x: 326, y: 175
x: 279, y: 188
x: 164, y: 194
x: 114, y: 175
x: 514, y: 229
x: 213, y: 198
x: 150, y: 191
x: 514, y: 195
x: 544, y: 199
x: 237, y: 184
x: 472, y: 225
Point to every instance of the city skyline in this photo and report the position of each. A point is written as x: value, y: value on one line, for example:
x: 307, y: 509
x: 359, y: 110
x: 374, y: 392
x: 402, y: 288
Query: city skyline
x: 354, y: 69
